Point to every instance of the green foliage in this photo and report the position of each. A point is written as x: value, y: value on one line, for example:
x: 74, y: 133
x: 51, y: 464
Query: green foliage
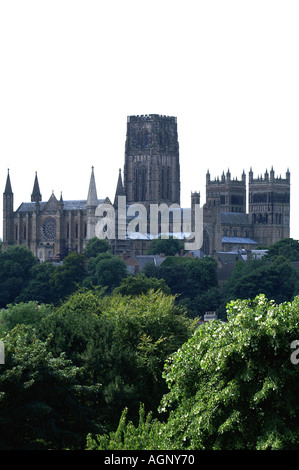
x: 208, y: 300
x: 277, y: 280
x: 288, y: 247
x: 146, y: 436
x: 95, y: 246
x: 225, y: 385
x: 40, y: 287
x: 22, y: 279
x: 69, y: 275
x: 190, y: 279
x: 15, y: 265
x: 168, y: 246
x: 72, y: 324
x: 140, y: 284
x: 120, y: 342
x: 105, y: 270
x: 42, y: 400
x: 189, y: 276
x: 29, y: 313
x: 232, y: 385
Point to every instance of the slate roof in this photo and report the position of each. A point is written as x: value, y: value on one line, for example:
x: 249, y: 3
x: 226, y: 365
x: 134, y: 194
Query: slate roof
x: 67, y: 205
x: 239, y: 240
x: 229, y: 257
x: 142, y: 260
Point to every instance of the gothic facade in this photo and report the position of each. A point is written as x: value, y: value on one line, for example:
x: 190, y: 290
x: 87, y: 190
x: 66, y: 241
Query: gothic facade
x: 151, y: 175
x: 228, y: 226
x: 49, y: 228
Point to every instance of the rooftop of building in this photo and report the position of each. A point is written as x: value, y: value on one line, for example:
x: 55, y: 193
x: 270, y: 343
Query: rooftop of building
x: 67, y: 205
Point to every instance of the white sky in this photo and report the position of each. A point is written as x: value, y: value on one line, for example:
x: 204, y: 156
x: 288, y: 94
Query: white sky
x: 72, y: 71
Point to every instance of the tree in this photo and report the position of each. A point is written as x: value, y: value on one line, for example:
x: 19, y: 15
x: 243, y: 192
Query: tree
x: 141, y: 284
x: 120, y: 342
x: 148, y: 328
x: 209, y: 300
x: 168, y: 246
x: 43, y: 401
x: 95, y: 246
x: 188, y: 278
x: 232, y: 386
x: 287, y: 247
x: 146, y: 435
x: 69, y: 276
x: 15, y: 266
x: 40, y: 287
x: 106, y: 270
x: 29, y: 313
x: 277, y: 280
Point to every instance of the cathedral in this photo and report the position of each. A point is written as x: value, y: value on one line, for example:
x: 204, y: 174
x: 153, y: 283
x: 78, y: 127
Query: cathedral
x: 151, y: 175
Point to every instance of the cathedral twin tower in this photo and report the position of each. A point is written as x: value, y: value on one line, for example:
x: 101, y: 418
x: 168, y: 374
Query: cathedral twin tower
x: 152, y: 176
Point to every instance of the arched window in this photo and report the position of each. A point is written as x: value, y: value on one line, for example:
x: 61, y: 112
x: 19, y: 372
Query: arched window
x: 160, y: 139
x: 138, y: 143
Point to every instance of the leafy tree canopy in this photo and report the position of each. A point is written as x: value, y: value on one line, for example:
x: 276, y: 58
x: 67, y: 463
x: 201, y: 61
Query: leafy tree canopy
x: 288, y: 247
x: 120, y: 342
x: 43, y: 401
x: 69, y: 275
x: 15, y: 265
x: 95, y: 246
x: 188, y: 277
x: 231, y: 386
x: 168, y: 246
x: 105, y: 270
x: 40, y: 287
x: 140, y: 284
x: 29, y: 313
x: 277, y: 280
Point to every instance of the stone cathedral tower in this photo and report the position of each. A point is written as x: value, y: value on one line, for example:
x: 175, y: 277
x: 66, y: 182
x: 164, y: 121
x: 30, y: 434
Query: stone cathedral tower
x: 269, y: 206
x: 54, y: 227
x: 152, y: 168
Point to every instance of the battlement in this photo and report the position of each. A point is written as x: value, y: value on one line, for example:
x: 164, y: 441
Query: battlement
x: 225, y: 179
x: 269, y: 178
x: 151, y: 117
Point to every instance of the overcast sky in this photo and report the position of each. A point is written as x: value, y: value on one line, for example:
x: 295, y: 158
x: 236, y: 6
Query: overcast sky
x: 72, y: 71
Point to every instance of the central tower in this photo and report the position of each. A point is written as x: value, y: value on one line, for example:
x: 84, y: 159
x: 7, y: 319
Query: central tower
x: 152, y: 167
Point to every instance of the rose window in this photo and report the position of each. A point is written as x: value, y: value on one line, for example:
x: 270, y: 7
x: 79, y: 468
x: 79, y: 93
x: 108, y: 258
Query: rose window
x: 49, y: 228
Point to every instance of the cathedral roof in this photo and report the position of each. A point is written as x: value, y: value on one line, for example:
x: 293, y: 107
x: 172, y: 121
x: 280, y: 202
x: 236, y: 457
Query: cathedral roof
x: 67, y: 205
x: 239, y: 240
